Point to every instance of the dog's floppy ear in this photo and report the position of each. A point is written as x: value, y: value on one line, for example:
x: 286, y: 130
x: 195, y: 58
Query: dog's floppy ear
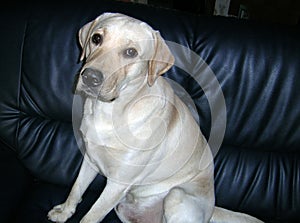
x: 84, y: 37
x: 162, y: 60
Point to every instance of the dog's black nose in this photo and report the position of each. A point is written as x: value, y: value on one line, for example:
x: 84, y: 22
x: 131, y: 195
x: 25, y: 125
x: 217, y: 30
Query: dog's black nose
x: 92, y: 77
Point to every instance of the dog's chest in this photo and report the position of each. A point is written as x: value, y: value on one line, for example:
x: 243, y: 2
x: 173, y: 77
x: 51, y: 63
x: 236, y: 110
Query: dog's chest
x: 97, y: 125
x: 119, y: 126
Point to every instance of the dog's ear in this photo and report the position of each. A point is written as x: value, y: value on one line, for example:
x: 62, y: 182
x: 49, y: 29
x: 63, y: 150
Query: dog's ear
x: 84, y: 38
x: 162, y: 60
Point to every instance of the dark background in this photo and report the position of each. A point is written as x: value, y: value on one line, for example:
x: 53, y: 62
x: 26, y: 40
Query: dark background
x: 285, y: 12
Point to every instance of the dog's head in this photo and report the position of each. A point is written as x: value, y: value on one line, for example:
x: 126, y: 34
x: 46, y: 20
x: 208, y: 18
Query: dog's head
x: 117, y: 50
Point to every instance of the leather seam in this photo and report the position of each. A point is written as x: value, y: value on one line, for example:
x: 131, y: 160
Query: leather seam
x: 20, y: 84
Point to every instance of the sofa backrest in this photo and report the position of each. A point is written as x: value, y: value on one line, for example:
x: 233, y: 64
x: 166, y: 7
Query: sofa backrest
x: 257, y: 66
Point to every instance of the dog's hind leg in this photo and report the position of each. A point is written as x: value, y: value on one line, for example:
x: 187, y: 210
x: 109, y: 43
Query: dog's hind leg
x: 222, y: 215
x: 141, y: 209
x: 182, y: 205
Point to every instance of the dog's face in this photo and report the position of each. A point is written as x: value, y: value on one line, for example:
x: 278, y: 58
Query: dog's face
x: 117, y: 50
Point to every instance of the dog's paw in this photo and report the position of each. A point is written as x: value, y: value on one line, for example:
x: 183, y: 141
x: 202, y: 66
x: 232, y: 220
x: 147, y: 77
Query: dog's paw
x: 60, y: 213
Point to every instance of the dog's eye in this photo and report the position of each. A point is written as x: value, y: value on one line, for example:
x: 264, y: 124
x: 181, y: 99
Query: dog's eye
x: 130, y: 53
x: 97, y: 39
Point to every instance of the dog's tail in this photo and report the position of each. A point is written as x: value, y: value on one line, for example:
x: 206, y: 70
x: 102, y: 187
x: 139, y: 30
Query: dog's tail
x: 221, y: 215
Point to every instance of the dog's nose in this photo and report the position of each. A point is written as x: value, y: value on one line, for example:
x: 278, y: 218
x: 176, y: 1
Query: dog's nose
x: 92, y: 77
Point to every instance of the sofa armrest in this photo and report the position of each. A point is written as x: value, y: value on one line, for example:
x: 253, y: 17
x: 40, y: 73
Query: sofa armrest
x: 15, y: 183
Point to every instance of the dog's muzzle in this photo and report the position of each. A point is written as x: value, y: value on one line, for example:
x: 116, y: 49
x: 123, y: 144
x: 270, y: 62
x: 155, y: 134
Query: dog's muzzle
x: 92, y: 78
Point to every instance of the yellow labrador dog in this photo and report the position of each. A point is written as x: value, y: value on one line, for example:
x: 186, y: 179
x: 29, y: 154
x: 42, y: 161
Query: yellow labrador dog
x: 138, y: 133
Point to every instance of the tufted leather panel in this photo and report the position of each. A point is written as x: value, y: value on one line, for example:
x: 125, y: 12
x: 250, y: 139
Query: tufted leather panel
x: 257, y: 66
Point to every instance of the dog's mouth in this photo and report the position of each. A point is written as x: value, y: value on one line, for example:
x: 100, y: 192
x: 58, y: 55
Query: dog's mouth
x: 108, y: 95
x: 92, y: 83
x: 101, y: 95
x: 104, y: 99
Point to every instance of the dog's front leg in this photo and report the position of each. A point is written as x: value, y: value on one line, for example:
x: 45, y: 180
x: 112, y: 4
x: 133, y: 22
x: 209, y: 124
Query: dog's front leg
x: 109, y: 198
x: 62, y: 212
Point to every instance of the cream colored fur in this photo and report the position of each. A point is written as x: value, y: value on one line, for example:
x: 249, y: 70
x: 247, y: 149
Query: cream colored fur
x: 139, y: 134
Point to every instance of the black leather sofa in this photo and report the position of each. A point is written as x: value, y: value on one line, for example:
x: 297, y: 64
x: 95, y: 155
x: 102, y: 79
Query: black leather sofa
x: 257, y: 169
